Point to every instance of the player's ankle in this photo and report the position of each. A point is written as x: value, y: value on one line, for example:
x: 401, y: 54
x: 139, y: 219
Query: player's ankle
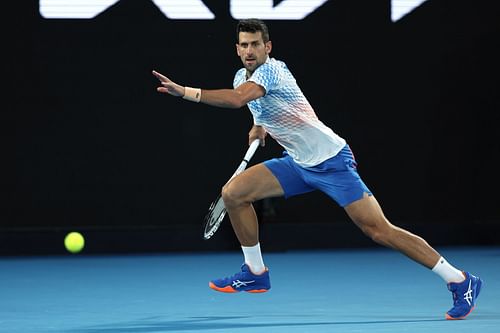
x: 257, y: 272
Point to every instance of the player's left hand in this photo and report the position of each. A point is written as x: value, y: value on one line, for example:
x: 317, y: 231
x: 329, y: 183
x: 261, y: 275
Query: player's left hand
x: 168, y: 86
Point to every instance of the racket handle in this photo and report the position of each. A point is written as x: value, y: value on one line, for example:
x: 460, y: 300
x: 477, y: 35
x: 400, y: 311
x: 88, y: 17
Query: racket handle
x: 251, y: 150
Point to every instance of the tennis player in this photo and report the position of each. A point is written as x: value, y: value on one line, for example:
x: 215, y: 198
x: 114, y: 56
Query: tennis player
x: 315, y: 158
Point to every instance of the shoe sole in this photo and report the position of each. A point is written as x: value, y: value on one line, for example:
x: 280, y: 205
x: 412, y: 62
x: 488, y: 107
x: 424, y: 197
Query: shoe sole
x: 229, y: 289
x: 478, y: 289
x: 448, y: 317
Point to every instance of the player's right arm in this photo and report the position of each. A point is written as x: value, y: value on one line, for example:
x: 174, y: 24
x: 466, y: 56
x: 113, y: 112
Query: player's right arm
x: 257, y: 132
x: 225, y: 98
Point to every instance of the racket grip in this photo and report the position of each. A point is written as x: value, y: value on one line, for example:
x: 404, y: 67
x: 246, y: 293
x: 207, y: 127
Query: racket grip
x: 251, y: 150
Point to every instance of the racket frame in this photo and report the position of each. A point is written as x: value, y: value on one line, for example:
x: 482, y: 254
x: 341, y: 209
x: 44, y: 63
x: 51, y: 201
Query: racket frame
x: 212, y: 223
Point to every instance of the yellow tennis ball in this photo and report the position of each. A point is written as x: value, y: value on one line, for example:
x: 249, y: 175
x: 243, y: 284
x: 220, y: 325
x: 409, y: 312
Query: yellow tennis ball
x: 74, y: 242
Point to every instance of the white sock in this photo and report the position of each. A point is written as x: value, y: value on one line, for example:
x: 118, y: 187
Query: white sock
x: 447, y: 272
x: 253, y: 258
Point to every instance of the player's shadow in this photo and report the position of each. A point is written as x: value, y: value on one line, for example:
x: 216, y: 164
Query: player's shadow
x: 222, y: 322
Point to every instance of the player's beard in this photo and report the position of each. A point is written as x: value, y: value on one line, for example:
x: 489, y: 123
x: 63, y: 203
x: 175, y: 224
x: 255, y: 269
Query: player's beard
x: 251, y: 67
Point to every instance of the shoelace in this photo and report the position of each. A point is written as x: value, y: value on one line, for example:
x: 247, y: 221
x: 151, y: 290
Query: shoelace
x: 236, y: 276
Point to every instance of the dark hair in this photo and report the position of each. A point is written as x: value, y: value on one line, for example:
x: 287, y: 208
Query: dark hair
x: 252, y: 25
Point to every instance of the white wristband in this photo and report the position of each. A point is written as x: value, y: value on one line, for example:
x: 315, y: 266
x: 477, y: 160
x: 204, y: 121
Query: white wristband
x: 192, y: 94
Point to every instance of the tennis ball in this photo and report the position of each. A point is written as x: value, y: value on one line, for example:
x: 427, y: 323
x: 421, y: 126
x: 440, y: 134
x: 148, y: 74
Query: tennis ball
x: 74, y: 242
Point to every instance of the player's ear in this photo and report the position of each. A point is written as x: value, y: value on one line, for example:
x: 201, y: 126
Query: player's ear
x: 269, y: 46
x: 238, y: 49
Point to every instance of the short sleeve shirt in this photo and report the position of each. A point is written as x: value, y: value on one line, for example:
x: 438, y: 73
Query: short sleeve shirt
x: 288, y: 117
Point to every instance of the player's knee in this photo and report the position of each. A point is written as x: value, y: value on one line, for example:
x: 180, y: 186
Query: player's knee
x: 377, y: 233
x: 231, y: 196
x: 379, y: 237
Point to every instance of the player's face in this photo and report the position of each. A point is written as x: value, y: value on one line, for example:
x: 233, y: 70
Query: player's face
x: 252, y: 50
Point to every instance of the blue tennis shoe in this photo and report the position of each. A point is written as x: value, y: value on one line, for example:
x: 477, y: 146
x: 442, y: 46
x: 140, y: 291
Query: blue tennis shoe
x: 244, y: 280
x: 464, y: 296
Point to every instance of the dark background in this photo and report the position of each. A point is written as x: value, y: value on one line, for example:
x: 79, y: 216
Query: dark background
x: 97, y: 149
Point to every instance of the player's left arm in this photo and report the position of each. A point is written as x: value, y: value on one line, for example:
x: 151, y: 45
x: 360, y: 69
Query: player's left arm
x: 233, y: 98
x: 225, y: 98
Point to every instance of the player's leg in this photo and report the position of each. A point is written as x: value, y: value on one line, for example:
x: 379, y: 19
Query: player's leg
x: 368, y: 216
x: 348, y: 190
x: 272, y: 178
x: 346, y: 187
x: 255, y: 183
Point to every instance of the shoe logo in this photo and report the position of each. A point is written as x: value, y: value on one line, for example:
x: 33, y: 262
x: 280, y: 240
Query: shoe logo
x: 468, y: 294
x: 239, y: 284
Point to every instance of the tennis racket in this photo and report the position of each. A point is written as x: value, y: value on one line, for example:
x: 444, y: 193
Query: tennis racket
x: 217, y: 210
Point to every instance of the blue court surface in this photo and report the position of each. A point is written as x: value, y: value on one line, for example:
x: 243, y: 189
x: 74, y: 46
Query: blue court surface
x: 356, y: 290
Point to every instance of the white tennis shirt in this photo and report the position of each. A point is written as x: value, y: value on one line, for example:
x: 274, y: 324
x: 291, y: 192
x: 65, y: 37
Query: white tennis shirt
x: 288, y: 117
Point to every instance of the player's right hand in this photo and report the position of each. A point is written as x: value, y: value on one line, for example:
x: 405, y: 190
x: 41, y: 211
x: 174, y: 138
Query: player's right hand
x: 257, y: 132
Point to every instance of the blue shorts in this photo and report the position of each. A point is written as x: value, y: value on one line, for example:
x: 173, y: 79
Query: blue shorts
x: 337, y: 177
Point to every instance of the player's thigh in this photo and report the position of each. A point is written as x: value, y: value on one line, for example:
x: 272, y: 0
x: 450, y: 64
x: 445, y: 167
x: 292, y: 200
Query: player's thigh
x: 255, y: 183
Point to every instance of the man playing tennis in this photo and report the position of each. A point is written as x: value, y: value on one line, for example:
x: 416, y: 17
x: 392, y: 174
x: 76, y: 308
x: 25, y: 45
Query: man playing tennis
x: 315, y: 158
